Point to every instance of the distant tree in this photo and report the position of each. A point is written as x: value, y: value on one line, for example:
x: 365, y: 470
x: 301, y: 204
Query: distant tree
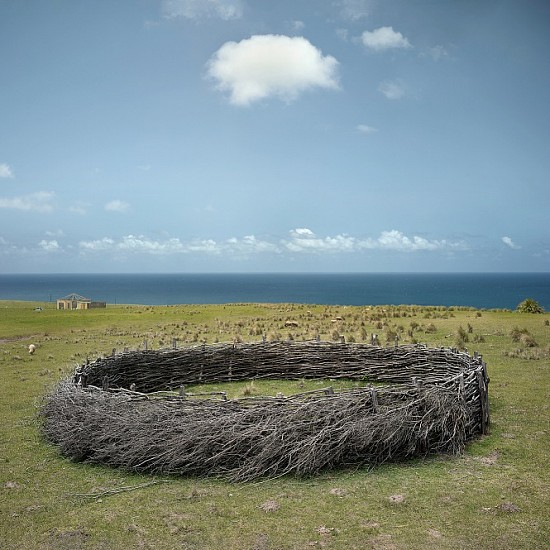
x: 530, y: 306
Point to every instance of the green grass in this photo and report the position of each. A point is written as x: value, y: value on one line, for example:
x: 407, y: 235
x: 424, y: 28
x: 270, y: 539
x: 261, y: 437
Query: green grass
x: 495, y: 496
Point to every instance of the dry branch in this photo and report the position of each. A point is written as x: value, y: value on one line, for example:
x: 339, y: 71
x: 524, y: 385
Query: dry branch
x: 148, y: 429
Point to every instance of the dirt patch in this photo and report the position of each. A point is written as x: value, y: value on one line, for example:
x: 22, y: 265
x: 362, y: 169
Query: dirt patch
x: 491, y: 459
x: 68, y: 540
x: 505, y: 507
x: 11, y: 485
x: 270, y: 506
x: 261, y: 542
x: 509, y: 508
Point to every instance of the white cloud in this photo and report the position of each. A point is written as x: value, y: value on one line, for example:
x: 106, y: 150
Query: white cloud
x: 5, y: 171
x: 49, y: 246
x: 297, y: 25
x: 396, y: 240
x: 265, y: 66
x: 300, y: 241
x: 34, y: 202
x: 392, y: 89
x: 509, y: 242
x: 365, y: 129
x: 354, y: 9
x: 117, y: 206
x: 384, y: 38
x: 144, y: 245
x: 200, y: 9
x: 79, y: 208
x: 304, y: 240
x: 302, y: 232
x: 251, y: 245
x: 437, y: 53
x: 97, y: 245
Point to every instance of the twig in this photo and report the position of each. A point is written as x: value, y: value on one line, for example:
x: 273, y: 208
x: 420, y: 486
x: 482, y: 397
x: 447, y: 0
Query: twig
x: 155, y: 431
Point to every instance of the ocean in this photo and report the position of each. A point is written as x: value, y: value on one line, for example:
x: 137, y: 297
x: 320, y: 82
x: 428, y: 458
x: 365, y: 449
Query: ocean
x: 479, y: 290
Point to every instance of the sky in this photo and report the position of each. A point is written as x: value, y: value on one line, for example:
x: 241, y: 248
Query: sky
x: 263, y: 136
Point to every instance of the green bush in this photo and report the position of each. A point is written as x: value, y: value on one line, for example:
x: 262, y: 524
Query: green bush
x: 530, y: 306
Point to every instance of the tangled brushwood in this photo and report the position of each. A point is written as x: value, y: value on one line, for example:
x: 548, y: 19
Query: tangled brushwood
x: 131, y: 410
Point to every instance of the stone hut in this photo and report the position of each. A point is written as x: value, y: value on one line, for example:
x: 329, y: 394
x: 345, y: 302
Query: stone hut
x: 75, y: 301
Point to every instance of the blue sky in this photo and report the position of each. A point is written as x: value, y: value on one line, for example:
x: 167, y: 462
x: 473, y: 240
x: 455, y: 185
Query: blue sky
x: 253, y: 135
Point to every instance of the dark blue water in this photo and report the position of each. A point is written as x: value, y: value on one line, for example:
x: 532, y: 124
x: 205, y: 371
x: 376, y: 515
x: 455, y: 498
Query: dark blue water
x: 480, y: 290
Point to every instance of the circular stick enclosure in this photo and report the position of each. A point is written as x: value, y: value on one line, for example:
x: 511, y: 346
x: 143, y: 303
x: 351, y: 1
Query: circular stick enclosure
x: 132, y: 410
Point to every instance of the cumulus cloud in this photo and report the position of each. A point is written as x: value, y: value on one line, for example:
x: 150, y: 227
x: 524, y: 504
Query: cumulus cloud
x: 264, y: 66
x: 201, y: 9
x: 117, y: 206
x: 141, y: 244
x: 34, y: 202
x: 304, y: 240
x: 49, y: 246
x: 392, y: 89
x: 384, y: 38
x: 509, y: 242
x: 251, y: 245
x: 396, y: 240
x: 5, y: 171
x: 299, y: 241
x: 99, y: 244
x: 365, y: 129
x: 354, y: 9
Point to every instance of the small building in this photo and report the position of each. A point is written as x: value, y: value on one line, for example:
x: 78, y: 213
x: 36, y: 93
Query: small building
x: 75, y: 301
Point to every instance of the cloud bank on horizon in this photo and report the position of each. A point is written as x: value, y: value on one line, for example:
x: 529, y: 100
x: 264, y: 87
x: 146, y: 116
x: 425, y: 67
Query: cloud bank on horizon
x: 187, y: 135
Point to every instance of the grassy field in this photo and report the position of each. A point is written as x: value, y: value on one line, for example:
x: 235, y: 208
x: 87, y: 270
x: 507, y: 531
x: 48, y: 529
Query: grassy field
x: 495, y: 496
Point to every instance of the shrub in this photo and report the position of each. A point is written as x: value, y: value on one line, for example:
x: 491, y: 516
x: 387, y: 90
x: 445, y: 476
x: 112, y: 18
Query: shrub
x: 461, y: 338
x: 528, y: 341
x: 530, y: 306
x: 516, y: 333
x: 391, y: 335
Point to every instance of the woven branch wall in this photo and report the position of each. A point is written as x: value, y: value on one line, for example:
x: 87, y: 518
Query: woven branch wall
x: 123, y: 411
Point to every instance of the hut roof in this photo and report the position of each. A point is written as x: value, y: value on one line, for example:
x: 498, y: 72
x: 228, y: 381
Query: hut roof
x: 77, y: 297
